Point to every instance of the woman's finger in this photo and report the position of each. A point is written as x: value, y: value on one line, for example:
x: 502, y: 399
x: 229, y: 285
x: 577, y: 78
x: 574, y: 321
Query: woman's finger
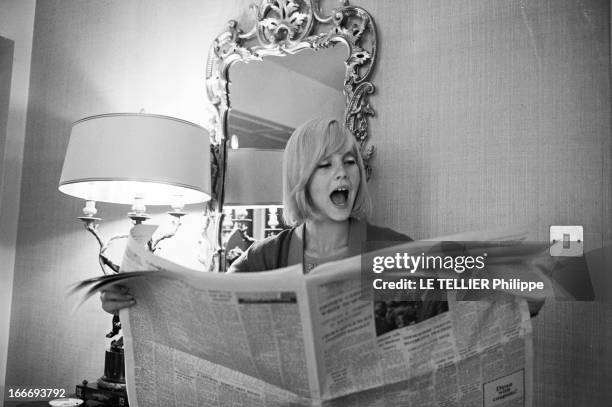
x: 115, y: 296
x: 117, y: 288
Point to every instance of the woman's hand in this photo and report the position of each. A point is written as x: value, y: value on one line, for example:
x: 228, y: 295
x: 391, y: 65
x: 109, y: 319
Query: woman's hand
x: 115, y: 298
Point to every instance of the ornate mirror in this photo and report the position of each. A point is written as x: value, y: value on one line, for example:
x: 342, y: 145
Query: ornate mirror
x: 293, y: 62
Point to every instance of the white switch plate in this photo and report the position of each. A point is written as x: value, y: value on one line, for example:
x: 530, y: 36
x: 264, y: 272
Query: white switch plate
x: 566, y: 241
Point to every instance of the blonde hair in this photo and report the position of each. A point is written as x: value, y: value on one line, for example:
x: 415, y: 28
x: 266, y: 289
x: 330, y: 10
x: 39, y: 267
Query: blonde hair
x: 309, y: 144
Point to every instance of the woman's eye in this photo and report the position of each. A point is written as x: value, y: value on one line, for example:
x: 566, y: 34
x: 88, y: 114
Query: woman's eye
x: 324, y: 165
x: 350, y: 161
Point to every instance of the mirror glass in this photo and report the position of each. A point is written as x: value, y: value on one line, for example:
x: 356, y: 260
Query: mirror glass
x: 268, y: 100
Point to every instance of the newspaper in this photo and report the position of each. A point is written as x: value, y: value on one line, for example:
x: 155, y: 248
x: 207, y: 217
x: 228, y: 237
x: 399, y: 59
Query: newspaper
x: 281, y: 338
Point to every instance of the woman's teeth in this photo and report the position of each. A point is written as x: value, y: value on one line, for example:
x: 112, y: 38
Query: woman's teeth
x: 339, y: 196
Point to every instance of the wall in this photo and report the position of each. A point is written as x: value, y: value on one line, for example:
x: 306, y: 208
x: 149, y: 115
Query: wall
x: 17, y: 25
x: 6, y: 72
x: 495, y: 113
x: 489, y: 113
x: 7, y: 48
x: 90, y: 57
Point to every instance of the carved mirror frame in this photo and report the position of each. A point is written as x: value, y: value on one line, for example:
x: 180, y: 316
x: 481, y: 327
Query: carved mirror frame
x: 284, y: 27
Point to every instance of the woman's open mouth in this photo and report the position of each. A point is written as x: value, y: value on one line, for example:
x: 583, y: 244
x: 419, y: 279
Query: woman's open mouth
x: 339, y: 197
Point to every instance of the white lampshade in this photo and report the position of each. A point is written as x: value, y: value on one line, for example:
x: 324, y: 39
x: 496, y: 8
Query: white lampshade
x: 118, y: 157
x: 254, y: 177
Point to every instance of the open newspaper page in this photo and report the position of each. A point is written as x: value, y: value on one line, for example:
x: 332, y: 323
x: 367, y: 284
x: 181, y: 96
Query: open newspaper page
x: 281, y: 338
x: 197, y: 339
x: 417, y: 353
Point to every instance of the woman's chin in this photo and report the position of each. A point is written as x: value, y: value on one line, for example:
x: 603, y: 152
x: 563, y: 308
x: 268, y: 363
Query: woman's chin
x: 334, y: 212
x: 339, y: 214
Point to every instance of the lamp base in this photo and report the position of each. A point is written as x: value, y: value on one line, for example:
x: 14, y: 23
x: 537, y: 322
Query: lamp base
x: 114, y: 370
x: 102, y: 397
x: 110, y: 389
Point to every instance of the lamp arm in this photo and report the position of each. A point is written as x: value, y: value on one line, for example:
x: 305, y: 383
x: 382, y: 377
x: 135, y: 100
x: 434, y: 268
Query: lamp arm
x: 153, y: 243
x: 105, y: 261
x: 91, y: 226
x: 220, y: 252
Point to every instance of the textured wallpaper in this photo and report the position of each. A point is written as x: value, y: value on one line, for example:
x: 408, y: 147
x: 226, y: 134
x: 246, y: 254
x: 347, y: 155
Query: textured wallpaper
x: 497, y: 113
x: 489, y: 113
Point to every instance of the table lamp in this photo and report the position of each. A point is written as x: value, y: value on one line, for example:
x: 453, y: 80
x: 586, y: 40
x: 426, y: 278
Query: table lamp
x: 136, y: 159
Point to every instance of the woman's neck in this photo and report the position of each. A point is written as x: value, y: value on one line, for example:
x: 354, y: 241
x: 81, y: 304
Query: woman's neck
x: 324, y: 238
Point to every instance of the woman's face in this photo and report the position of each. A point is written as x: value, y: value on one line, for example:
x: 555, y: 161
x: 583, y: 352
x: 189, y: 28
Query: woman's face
x: 334, y: 185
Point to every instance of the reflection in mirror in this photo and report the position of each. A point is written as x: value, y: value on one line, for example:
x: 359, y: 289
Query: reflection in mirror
x: 269, y: 99
x: 253, y: 179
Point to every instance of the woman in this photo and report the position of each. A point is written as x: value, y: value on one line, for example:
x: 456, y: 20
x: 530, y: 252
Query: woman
x: 326, y: 200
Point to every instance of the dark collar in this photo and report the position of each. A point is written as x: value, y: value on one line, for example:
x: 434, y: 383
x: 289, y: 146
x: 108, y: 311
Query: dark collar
x: 357, y: 236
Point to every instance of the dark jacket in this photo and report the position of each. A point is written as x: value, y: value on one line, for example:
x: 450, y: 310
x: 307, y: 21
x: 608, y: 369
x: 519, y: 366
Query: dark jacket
x: 275, y: 252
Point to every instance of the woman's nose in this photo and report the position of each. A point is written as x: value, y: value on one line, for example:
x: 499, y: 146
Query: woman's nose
x: 340, y: 173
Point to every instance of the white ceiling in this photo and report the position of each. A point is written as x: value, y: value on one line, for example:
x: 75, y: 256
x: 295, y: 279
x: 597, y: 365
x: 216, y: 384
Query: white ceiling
x: 248, y: 94
x: 325, y: 65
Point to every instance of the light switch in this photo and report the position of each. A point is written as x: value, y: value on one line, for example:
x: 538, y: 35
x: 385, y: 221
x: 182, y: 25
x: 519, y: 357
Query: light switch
x: 566, y: 241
